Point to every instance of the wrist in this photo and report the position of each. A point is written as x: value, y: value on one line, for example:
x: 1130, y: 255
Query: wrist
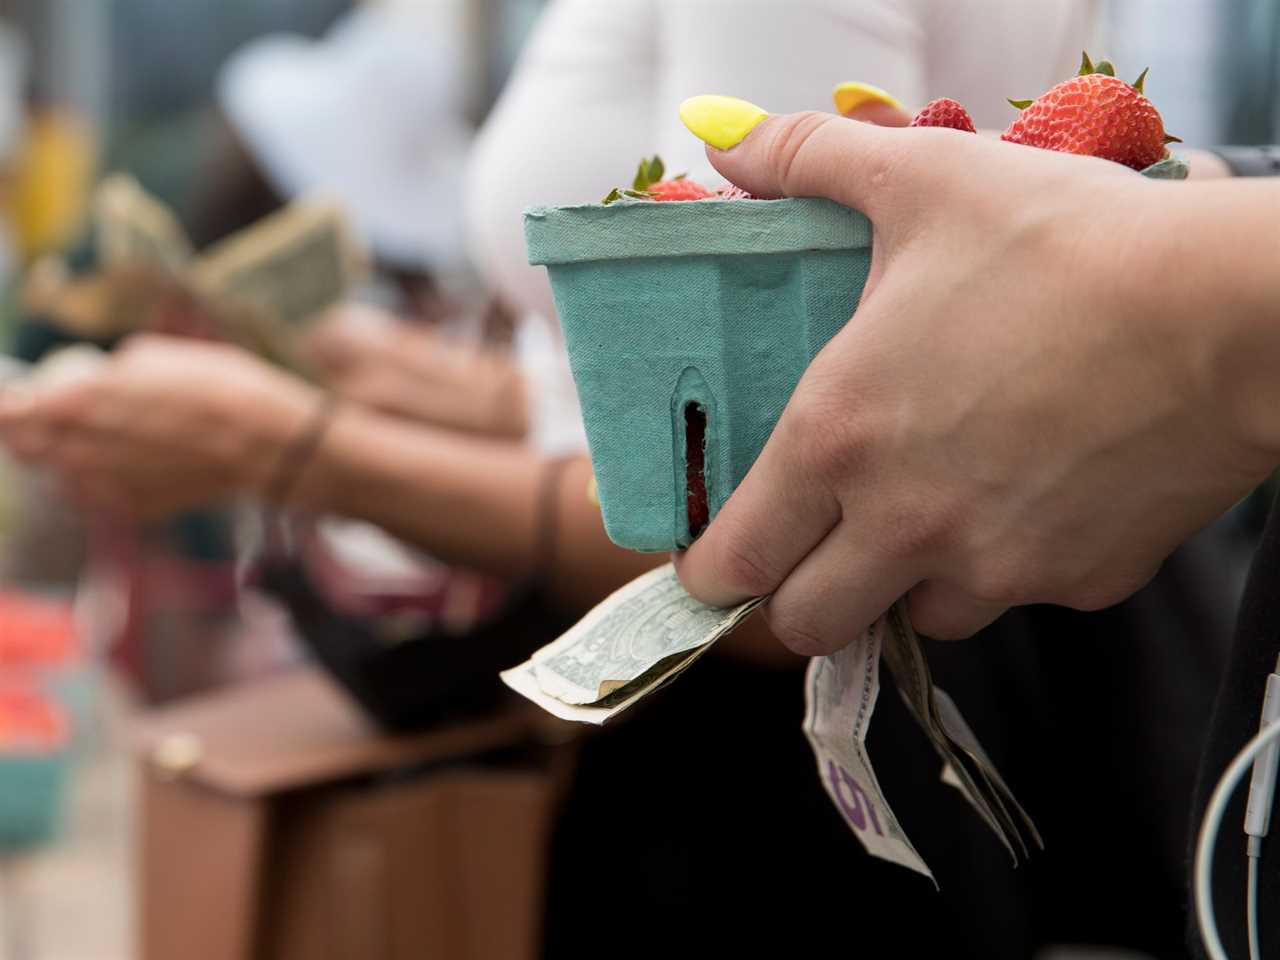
x: 329, y: 481
x: 1217, y: 263
x: 277, y: 418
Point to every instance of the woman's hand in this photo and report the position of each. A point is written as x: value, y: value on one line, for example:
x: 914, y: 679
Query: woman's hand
x: 409, y: 371
x: 164, y: 424
x: 1058, y: 371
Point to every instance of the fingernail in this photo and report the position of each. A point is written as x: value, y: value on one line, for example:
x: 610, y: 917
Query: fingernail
x: 722, y: 122
x: 852, y: 94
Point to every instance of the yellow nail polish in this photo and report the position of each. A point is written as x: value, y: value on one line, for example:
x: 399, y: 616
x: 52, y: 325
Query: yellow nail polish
x: 853, y: 94
x: 722, y: 122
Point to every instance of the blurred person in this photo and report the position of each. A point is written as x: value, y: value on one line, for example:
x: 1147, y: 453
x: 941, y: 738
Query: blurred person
x: 723, y: 825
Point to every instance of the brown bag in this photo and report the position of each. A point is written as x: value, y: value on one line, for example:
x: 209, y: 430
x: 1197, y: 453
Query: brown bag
x: 277, y: 824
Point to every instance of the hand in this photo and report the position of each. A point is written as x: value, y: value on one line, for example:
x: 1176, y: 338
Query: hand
x: 163, y: 425
x: 410, y: 371
x: 1028, y: 406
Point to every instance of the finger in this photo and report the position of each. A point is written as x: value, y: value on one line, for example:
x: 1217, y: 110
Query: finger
x: 945, y: 612
x: 853, y: 96
x: 779, y: 512
x: 810, y: 155
x: 843, y: 586
x: 880, y: 114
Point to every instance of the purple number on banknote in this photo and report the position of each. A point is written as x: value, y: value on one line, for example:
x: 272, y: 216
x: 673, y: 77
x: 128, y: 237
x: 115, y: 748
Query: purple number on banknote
x: 852, y: 798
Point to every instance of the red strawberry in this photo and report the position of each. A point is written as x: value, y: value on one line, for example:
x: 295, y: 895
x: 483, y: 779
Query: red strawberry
x: 944, y: 113
x: 649, y: 185
x: 1094, y: 114
x: 678, y: 190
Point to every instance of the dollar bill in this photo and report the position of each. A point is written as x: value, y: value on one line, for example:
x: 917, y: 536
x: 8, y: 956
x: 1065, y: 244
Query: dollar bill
x: 840, y: 697
x: 291, y: 266
x: 966, y: 764
x: 630, y: 644
x: 133, y: 228
x: 646, y: 623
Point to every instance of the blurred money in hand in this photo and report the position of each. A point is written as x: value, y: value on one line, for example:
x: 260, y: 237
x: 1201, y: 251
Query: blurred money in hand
x: 259, y: 287
x: 134, y: 228
x: 629, y: 645
x: 292, y: 265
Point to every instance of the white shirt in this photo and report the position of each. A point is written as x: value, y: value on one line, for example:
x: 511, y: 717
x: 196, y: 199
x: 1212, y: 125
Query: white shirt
x: 600, y: 82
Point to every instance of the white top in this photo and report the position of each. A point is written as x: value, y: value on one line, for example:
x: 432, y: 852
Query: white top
x: 600, y: 82
x: 371, y: 115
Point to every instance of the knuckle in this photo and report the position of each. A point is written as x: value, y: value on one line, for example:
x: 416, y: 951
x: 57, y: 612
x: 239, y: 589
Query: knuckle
x: 742, y: 564
x: 833, y: 442
x: 789, y: 148
x: 796, y: 630
x: 916, y: 530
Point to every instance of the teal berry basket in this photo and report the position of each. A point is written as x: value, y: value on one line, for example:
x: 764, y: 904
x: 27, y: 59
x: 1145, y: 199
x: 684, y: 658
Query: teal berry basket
x: 33, y: 789
x: 688, y: 326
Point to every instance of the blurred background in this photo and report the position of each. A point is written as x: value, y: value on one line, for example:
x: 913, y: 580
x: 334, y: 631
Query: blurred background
x: 206, y: 751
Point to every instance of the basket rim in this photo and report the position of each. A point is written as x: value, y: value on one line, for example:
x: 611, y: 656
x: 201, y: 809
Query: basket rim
x: 643, y: 229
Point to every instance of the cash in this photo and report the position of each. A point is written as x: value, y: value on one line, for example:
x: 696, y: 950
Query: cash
x: 260, y: 288
x: 968, y: 767
x: 134, y: 228
x: 650, y: 631
x: 633, y: 642
x: 840, y: 697
x: 291, y: 265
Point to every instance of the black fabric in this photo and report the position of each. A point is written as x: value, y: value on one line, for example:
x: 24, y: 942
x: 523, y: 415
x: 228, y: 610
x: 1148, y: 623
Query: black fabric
x: 1236, y: 717
x: 420, y: 682
x: 729, y: 844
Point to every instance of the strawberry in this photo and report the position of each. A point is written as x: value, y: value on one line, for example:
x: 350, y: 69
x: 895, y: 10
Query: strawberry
x: 731, y: 191
x: 944, y: 113
x: 1094, y: 114
x: 649, y: 185
x: 678, y: 189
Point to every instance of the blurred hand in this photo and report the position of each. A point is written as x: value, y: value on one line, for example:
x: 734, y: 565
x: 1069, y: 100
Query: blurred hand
x: 410, y: 371
x: 1020, y: 410
x: 163, y: 425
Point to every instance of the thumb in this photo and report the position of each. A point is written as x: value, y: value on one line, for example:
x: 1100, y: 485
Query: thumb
x: 859, y: 165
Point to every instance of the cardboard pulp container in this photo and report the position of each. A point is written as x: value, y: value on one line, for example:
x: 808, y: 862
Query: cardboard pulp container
x: 691, y: 318
x: 690, y: 322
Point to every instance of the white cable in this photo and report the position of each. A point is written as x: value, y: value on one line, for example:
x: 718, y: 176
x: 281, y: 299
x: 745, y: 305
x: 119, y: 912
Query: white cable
x: 1209, y: 837
x: 1255, y: 950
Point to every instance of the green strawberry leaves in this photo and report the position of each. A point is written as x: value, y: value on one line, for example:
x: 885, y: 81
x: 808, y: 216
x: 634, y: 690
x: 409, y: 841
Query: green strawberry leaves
x: 1105, y: 67
x: 650, y: 172
x: 618, y: 193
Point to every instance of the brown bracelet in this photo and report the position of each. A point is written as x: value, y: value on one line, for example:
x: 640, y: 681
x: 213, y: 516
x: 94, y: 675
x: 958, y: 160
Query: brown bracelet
x: 300, y: 450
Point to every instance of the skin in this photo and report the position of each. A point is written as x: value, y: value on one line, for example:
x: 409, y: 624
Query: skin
x: 1058, y: 371
x: 144, y: 438
x: 410, y: 370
